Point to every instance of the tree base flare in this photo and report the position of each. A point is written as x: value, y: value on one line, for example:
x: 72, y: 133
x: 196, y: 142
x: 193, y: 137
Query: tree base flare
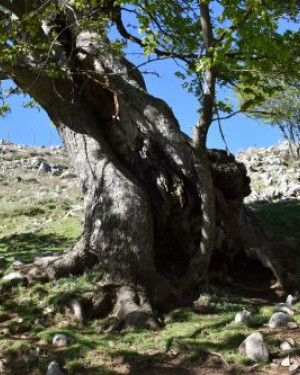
x: 126, y: 306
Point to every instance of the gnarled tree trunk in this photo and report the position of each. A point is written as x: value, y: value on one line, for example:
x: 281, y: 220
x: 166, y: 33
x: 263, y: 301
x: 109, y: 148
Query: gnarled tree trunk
x: 141, y: 181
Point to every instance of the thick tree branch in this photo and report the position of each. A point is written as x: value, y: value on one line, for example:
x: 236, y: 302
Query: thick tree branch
x: 209, y: 78
x: 206, y: 25
x: 208, y: 207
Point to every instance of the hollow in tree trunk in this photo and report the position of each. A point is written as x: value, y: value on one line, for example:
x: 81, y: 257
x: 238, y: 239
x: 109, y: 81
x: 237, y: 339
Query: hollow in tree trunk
x: 141, y: 182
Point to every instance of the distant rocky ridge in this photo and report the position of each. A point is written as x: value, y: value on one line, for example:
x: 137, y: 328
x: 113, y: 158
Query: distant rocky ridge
x: 38, y: 187
x: 274, y: 173
x: 53, y: 160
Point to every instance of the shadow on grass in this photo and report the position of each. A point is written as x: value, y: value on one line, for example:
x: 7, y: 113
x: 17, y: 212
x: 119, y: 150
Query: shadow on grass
x: 165, y: 364
x: 280, y: 217
x: 40, y: 367
x: 25, y: 246
x: 27, y: 313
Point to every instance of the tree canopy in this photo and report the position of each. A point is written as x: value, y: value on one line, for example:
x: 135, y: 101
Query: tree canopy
x: 158, y: 207
x: 241, y: 43
x: 281, y: 109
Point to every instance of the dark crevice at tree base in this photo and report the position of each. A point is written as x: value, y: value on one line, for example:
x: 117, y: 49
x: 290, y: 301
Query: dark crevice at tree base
x: 155, y: 206
x: 240, y: 271
x: 172, y: 285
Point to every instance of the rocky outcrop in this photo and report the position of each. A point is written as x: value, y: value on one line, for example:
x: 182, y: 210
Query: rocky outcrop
x: 38, y: 187
x: 274, y: 173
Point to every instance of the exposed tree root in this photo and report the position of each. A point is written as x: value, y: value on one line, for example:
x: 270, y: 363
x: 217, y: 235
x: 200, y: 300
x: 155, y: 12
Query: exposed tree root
x: 74, y: 262
x: 134, y: 310
x: 122, y: 303
x: 71, y: 264
x: 205, y: 352
x: 244, y: 232
x: 130, y: 306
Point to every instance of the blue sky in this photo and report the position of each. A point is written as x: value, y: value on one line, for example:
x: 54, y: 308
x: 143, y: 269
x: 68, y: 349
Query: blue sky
x: 28, y: 126
x: 240, y: 131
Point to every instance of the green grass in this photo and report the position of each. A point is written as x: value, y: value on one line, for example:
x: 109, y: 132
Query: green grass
x: 26, y: 246
x: 31, y: 226
x: 185, y: 332
x: 280, y: 217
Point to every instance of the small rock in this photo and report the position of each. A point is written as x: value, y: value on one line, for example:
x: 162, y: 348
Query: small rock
x: 17, y: 264
x: 285, y: 308
x: 13, y: 278
x: 285, y: 346
x: 61, y: 340
x: 244, y: 317
x: 36, y: 162
x: 54, y: 369
x: 68, y: 174
x: 292, y: 325
x: 44, y: 167
x: 291, y: 341
x: 254, y: 348
x: 295, y: 190
x: 279, y: 319
x: 202, y: 306
x: 286, y: 362
x: 49, y: 310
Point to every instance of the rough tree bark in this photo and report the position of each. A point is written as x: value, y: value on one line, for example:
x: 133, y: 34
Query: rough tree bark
x: 141, y: 181
x: 208, y: 206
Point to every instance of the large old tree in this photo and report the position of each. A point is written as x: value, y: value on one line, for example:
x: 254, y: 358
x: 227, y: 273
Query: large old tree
x: 160, y: 209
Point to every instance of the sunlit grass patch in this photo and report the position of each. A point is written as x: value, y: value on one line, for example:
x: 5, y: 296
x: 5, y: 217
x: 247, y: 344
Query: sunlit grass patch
x: 42, y: 215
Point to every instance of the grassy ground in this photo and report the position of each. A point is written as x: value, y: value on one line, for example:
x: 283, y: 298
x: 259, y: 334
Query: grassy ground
x: 41, y: 215
x: 39, y: 212
x: 31, y: 316
x: 280, y: 217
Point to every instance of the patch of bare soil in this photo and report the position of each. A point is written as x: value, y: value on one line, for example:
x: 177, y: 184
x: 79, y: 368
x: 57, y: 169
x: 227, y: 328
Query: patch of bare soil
x: 154, y: 362
x: 180, y: 365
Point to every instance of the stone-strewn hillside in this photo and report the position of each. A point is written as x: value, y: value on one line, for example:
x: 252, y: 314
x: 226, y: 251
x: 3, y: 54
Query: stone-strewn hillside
x: 40, y: 201
x: 41, y: 213
x: 274, y: 174
x: 31, y: 174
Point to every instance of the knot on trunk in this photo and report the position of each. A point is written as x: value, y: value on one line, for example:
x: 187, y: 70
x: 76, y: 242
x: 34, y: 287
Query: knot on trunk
x: 229, y: 176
